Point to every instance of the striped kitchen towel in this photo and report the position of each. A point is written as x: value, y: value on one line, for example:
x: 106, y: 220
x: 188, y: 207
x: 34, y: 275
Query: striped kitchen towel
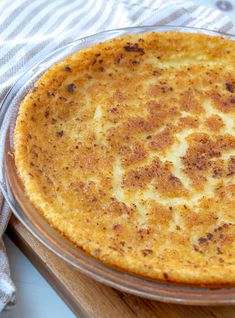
x: 31, y: 29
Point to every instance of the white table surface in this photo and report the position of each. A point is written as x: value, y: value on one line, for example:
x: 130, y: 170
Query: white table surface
x: 35, y: 297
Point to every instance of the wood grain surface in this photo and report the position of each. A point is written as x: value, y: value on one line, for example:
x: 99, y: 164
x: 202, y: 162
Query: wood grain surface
x: 88, y: 298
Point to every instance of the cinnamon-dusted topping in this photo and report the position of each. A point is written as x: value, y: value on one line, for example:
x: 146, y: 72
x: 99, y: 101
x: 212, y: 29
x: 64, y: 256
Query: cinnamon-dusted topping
x: 134, y: 48
x: 159, y: 215
x: 190, y: 102
x: 59, y: 133
x: 128, y: 149
x: 160, y: 174
x: 202, y: 157
x: 202, y: 240
x: 47, y: 113
x: 162, y: 141
x: 214, y: 123
x: 117, y: 208
x: 224, y: 102
x: 188, y: 122
x: 71, y: 87
x: 229, y: 87
x: 101, y: 69
x: 132, y: 154
x: 68, y: 69
x: 165, y: 275
x: 119, y: 58
x: 147, y: 252
x: 231, y: 166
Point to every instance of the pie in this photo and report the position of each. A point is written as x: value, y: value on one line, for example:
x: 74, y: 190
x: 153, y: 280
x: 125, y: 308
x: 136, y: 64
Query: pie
x: 127, y: 148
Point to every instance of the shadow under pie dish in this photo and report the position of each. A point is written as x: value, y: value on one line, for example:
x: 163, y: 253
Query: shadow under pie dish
x: 126, y: 148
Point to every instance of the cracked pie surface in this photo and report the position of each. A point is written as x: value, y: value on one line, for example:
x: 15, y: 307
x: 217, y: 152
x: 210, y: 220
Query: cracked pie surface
x: 128, y: 149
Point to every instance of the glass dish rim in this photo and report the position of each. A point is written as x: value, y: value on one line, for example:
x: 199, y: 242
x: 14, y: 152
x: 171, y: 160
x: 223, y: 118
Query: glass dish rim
x: 114, y: 277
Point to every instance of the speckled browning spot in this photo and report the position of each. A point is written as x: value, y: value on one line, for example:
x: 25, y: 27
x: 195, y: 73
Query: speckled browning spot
x: 214, y: 123
x: 162, y: 141
x: 128, y: 149
x: 147, y: 252
x: 59, y: 133
x: 68, y: 69
x: 134, y: 48
x: 71, y: 87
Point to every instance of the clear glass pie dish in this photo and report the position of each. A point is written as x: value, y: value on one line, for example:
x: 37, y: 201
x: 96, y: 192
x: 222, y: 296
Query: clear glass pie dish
x: 13, y: 191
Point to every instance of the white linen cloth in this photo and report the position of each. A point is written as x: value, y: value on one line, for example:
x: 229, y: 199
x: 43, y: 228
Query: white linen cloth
x: 31, y: 29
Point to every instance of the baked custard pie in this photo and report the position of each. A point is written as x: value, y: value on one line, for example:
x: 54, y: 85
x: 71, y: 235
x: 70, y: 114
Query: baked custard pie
x: 127, y: 148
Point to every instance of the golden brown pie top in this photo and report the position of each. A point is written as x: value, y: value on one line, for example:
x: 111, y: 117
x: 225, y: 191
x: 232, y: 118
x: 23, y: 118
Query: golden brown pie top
x: 128, y: 149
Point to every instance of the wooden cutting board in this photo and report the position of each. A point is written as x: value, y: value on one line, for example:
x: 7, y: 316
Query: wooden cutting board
x: 88, y: 298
